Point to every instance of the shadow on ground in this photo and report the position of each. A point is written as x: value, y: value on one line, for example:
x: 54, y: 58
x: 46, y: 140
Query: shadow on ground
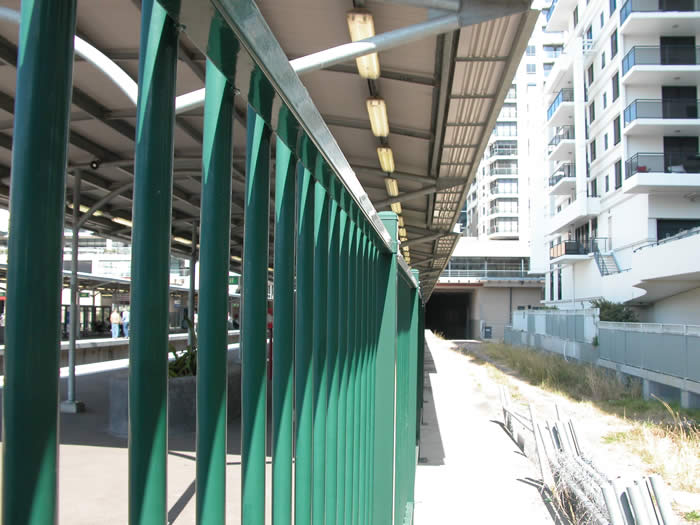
x: 431, y: 451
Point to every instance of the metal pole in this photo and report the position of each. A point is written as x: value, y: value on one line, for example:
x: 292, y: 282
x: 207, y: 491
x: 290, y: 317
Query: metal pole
x: 343, y: 364
x: 72, y: 406
x: 303, y: 378
x: 150, y: 267
x: 190, y: 294
x: 35, y: 247
x: 254, y: 300
x: 320, y: 342
x: 212, y: 355
x: 351, y: 449
x: 332, y: 363
x: 362, y: 441
x: 283, y: 326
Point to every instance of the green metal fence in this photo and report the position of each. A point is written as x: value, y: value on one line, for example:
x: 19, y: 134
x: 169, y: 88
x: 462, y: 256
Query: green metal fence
x: 348, y: 319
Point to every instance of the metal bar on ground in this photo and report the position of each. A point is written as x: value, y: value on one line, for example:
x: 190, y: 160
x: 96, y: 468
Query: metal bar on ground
x: 35, y: 247
x: 254, y: 300
x: 214, y: 262
x: 150, y: 267
x: 283, y: 325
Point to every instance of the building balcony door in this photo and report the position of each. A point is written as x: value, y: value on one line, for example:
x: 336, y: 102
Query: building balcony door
x: 679, y: 50
x: 679, y: 102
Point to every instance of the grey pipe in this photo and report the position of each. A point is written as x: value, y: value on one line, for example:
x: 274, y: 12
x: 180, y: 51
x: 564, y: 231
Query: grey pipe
x: 641, y: 516
x: 612, y: 504
x: 662, y: 501
x: 73, y: 327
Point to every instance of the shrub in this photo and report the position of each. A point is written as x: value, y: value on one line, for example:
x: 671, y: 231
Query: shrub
x: 616, y: 312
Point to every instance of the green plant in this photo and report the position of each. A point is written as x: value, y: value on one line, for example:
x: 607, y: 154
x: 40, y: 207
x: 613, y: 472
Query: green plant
x: 595, y: 340
x: 185, y: 361
x: 693, y: 515
x: 616, y: 312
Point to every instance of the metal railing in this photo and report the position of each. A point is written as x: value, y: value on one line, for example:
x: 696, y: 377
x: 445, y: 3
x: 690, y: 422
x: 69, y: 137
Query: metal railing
x: 564, y: 171
x: 504, y: 229
x: 565, y: 95
x: 652, y: 6
x: 562, y: 133
x: 660, y: 56
x: 669, y: 162
x: 550, y: 9
x: 677, y: 108
x: 491, y: 274
x: 495, y: 171
x: 511, y: 210
x: 574, y: 247
x: 503, y: 150
x: 681, y: 235
x: 348, y: 316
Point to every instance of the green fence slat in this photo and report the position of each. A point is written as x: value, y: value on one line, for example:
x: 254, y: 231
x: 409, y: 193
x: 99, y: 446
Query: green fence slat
x: 150, y: 267
x: 356, y: 372
x: 351, y: 373
x: 343, y: 368
x: 254, y: 301
x: 35, y: 261
x: 214, y: 262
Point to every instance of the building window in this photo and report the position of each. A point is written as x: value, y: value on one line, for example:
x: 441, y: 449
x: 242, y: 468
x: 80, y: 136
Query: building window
x: 530, y: 51
x: 594, y: 188
x: 546, y: 69
x: 615, y: 86
x: 602, y: 19
x: 605, y: 100
x: 605, y: 142
x: 602, y: 60
x: 531, y: 69
x: 591, y: 112
x: 613, y: 6
x: 618, y: 174
x: 590, y: 74
x: 593, y: 152
x: 589, y: 32
x: 616, y: 130
x: 559, y: 284
x: 613, y: 44
x: 607, y: 183
x: 551, y: 286
x: 575, y: 16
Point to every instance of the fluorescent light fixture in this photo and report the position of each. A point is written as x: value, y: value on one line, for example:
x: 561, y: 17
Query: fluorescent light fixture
x: 123, y: 222
x: 401, y: 224
x: 386, y: 158
x: 376, y: 109
x: 392, y: 187
x: 361, y: 26
x: 85, y: 209
x: 236, y: 258
x: 396, y: 208
x: 402, y: 232
x: 182, y: 240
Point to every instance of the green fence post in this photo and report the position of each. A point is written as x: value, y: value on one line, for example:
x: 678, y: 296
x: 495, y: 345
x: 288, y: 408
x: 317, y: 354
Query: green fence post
x: 303, y: 371
x: 385, y: 376
x: 214, y: 262
x: 37, y: 198
x: 254, y: 300
x: 362, y: 441
x: 351, y: 364
x: 150, y: 267
x: 332, y: 359
x: 419, y: 357
x: 356, y: 301
x: 283, y: 326
x: 343, y: 368
x: 320, y: 341
x: 412, y: 384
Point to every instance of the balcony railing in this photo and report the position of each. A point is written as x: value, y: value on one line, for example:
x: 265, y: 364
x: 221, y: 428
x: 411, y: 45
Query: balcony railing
x: 505, y: 151
x: 507, y: 190
x: 492, y: 274
x: 563, y: 133
x: 503, y: 171
x: 670, y: 162
x: 564, y: 171
x: 565, y: 95
x: 658, y: 108
x: 661, y: 56
x: 599, y: 244
x: 510, y: 210
x: 510, y: 228
x: 650, y: 6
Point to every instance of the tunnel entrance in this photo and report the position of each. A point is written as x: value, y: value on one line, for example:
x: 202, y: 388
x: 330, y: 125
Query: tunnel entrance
x: 448, y: 313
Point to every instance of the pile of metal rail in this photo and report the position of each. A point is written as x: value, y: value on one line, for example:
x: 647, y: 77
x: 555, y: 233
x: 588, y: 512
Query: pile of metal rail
x: 580, y: 488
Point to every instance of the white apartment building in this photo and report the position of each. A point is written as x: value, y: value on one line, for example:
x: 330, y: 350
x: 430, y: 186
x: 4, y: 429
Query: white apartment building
x: 622, y: 216
x: 488, y: 275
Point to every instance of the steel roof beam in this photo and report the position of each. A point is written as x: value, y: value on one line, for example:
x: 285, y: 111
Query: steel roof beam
x: 445, y: 5
x: 390, y: 74
x: 345, y: 122
x: 442, y: 184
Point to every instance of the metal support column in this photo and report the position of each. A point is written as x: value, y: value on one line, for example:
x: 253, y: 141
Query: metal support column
x: 320, y: 341
x: 332, y: 359
x: 385, y: 377
x: 254, y: 300
x: 303, y: 337
x: 70, y: 405
x: 37, y: 199
x: 283, y: 326
x: 191, y: 338
x: 150, y: 267
x: 214, y: 262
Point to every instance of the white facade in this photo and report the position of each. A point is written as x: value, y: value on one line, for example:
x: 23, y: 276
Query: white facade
x: 623, y: 170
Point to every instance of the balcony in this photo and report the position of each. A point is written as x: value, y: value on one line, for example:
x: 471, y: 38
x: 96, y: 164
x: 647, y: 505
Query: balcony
x: 563, y: 181
x: 653, y: 17
x: 503, y: 150
x: 667, y: 65
x: 503, y: 211
x: 572, y: 251
x: 670, y: 172
x: 561, y: 111
x: 503, y: 231
x: 496, y: 192
x: 575, y: 213
x: 503, y: 172
x: 492, y: 275
x: 558, y: 14
x: 562, y: 145
x: 662, y: 117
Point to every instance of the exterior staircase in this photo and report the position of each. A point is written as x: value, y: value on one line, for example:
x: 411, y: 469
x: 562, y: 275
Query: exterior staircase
x: 607, y: 264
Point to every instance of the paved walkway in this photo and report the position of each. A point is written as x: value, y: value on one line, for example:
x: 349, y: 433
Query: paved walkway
x: 470, y: 470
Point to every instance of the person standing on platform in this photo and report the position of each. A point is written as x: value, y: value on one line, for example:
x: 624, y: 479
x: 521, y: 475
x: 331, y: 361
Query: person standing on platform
x: 125, y: 321
x: 115, y: 319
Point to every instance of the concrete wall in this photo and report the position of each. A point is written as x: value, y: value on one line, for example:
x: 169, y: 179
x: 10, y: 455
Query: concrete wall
x: 494, y: 305
x: 683, y: 308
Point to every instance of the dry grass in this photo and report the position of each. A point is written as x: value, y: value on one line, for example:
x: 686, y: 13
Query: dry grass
x: 664, y: 436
